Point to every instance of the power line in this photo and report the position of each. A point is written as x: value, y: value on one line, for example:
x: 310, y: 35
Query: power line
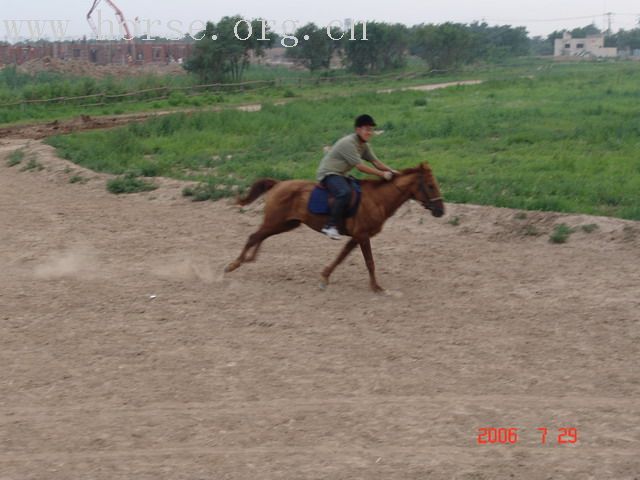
x: 585, y: 17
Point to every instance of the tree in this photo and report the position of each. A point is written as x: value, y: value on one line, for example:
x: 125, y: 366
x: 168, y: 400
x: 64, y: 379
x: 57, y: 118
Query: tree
x: 582, y: 32
x: 384, y: 49
x: 508, y: 41
x: 316, y: 52
x: 540, y: 46
x: 226, y: 57
x: 497, y: 42
x: 443, y: 46
x: 625, y: 39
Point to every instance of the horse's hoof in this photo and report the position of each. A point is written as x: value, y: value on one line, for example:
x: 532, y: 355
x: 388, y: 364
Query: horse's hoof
x: 324, y: 283
x: 231, y: 267
x: 377, y: 289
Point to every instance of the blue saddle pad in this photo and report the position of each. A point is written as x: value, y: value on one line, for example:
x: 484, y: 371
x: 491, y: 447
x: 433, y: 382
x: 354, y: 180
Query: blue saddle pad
x: 319, y: 200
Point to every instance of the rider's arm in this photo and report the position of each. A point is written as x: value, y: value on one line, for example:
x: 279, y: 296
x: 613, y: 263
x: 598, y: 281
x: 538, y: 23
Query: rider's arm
x: 364, y: 168
x: 381, y: 166
x: 371, y: 157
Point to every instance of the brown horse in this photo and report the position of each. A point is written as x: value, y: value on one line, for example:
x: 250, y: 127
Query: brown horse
x: 286, y: 208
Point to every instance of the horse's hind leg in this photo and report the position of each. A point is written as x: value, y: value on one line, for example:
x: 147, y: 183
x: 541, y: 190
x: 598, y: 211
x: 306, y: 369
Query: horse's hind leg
x: 290, y: 225
x: 256, y: 239
x: 346, y: 250
x: 253, y: 239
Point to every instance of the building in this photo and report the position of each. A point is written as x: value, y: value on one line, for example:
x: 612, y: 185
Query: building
x: 99, y: 53
x: 591, y: 46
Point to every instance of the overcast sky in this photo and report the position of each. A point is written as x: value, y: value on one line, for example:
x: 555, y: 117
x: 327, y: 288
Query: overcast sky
x: 539, y: 17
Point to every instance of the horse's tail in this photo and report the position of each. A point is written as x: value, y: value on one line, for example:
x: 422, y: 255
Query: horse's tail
x: 258, y: 188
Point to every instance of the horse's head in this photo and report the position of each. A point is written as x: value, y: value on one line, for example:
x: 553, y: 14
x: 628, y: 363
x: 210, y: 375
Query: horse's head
x: 426, y: 190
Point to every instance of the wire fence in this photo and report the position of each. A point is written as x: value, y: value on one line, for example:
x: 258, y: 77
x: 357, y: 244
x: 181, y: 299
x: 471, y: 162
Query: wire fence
x: 163, y: 93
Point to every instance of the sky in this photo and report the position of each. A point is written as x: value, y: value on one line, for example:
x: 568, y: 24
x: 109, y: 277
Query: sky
x: 540, y: 17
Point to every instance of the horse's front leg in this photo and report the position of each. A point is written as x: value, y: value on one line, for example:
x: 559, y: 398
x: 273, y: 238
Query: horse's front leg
x: 365, y: 246
x: 326, y: 273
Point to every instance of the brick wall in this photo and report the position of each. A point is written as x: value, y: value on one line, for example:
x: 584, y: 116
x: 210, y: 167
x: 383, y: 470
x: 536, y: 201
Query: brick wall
x: 100, y: 53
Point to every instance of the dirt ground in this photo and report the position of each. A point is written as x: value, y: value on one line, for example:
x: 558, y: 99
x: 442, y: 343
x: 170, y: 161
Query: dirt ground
x: 126, y: 354
x: 88, y: 69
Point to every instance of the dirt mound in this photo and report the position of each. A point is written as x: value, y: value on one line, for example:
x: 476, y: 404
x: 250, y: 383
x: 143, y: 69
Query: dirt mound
x: 83, y: 122
x: 39, y: 131
x: 86, y: 69
x: 127, y: 353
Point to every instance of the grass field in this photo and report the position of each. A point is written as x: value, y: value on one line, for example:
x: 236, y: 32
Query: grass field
x: 562, y: 138
x: 61, y: 97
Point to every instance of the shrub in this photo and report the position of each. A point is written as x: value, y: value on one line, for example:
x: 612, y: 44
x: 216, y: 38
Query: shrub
x: 590, y: 227
x: 32, y: 164
x: 78, y: 179
x: 177, y: 98
x: 129, y: 183
x: 560, y: 233
x: 15, y: 158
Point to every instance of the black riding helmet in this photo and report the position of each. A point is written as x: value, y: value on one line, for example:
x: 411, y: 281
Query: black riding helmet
x: 365, y: 121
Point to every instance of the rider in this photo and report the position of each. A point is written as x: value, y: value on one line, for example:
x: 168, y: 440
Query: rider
x: 347, y: 153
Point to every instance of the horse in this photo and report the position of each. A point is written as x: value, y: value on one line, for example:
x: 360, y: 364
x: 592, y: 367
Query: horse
x: 286, y: 208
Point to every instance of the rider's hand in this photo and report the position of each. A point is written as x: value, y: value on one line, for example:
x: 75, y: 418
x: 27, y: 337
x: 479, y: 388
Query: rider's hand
x: 387, y: 175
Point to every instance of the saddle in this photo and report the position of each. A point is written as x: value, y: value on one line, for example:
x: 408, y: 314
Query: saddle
x: 321, y: 200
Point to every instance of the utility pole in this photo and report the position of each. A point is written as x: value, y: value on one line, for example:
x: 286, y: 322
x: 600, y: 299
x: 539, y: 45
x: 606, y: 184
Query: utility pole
x: 608, y: 15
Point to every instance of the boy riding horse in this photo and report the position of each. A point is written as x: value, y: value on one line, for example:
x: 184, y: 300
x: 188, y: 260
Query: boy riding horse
x: 347, y: 153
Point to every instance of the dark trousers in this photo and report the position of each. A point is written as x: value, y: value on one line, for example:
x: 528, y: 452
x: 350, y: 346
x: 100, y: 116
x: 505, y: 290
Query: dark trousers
x: 340, y: 188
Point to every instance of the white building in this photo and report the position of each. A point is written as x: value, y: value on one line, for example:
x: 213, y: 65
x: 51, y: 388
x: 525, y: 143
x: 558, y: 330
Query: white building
x: 592, y: 46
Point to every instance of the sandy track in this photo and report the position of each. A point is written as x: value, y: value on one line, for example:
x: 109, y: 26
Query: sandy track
x: 126, y: 353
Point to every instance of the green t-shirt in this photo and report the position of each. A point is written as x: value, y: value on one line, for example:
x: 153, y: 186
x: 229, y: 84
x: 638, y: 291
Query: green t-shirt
x: 348, y: 152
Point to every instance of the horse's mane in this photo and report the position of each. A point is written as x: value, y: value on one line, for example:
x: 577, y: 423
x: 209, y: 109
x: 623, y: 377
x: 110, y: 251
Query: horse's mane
x: 408, y: 171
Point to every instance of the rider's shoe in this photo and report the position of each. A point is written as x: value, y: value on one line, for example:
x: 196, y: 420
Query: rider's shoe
x: 331, y: 232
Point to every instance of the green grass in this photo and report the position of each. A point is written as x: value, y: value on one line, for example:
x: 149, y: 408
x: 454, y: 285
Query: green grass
x: 565, y: 140
x: 560, y: 233
x: 129, y: 183
x: 589, y: 228
x: 32, y: 165
x: 78, y: 179
x: 179, y: 91
x: 15, y: 158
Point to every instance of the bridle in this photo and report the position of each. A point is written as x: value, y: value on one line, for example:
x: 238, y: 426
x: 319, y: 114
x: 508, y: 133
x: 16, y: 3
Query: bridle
x: 428, y: 203
x: 423, y: 189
